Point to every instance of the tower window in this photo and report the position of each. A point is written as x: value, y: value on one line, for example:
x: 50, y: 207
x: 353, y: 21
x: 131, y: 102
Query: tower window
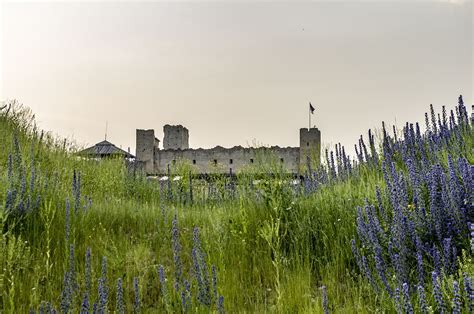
x: 194, y: 161
x: 215, y: 161
x: 307, y: 143
x: 281, y: 160
x: 231, y: 161
x: 174, y: 161
x: 251, y: 160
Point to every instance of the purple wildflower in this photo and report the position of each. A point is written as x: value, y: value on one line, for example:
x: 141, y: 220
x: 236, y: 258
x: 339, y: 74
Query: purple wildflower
x: 183, y: 300
x: 398, y: 301
x: 436, y: 260
x: 220, y: 305
x: 381, y: 269
x: 468, y: 291
x: 66, y: 294
x: 358, y: 154
x: 441, y: 306
x: 356, y: 254
x: 325, y: 300
x: 422, y: 299
x: 452, y: 120
x: 447, y: 263
x: 200, y: 270
x: 9, y: 201
x: 85, y: 307
x: 366, y: 271
x: 456, y: 298
x: 399, y: 269
x: 72, y: 271
x: 433, y: 120
x: 419, y: 267
x: 162, y: 278
x: 88, y: 270
x: 186, y: 296
x: 119, y: 303
x: 418, y: 134
x: 406, y: 299
x: 103, y: 290
x: 361, y: 227
x: 136, y: 305
x: 332, y: 166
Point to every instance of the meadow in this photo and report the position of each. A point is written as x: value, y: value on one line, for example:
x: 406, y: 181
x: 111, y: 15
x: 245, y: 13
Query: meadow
x: 388, y: 230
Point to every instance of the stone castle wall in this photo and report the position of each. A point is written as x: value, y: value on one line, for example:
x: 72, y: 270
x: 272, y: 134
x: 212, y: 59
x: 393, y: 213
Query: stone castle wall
x: 220, y: 159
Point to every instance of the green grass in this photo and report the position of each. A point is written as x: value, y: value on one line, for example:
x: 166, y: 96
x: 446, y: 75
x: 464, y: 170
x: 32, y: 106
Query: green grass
x: 271, y: 254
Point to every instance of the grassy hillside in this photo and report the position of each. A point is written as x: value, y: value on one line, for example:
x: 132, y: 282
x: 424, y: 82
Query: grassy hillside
x: 385, y: 232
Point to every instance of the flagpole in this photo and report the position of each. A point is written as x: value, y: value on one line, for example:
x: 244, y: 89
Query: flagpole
x: 309, y: 116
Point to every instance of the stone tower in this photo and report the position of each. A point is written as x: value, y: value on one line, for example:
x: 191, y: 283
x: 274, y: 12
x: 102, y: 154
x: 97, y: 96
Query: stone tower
x: 146, y: 145
x: 176, y: 137
x: 310, y: 146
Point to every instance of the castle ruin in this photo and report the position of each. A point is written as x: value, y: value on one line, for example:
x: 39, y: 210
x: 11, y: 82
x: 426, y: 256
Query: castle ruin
x: 155, y: 161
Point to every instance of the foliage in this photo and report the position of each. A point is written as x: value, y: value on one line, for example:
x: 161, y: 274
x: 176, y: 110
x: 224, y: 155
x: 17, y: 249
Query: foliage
x: 387, y: 231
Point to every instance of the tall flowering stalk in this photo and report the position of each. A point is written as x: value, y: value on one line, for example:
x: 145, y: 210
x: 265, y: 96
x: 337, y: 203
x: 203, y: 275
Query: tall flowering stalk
x: 423, y: 220
x: 422, y: 299
x: 162, y: 278
x: 406, y: 299
x: 85, y: 306
x: 88, y: 270
x: 136, y: 289
x: 220, y: 305
x: 103, y: 290
x: 456, y: 298
x: 438, y: 295
x: 200, y: 270
x: 325, y: 300
x: 119, y: 303
x: 469, y: 292
x: 66, y: 294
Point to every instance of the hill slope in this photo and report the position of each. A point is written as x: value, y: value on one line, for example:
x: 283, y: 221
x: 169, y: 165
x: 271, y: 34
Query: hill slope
x: 386, y: 231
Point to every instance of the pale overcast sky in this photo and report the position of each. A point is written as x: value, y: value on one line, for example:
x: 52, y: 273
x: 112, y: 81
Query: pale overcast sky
x: 234, y: 72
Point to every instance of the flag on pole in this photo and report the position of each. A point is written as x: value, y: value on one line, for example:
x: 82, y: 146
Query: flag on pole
x: 311, y: 108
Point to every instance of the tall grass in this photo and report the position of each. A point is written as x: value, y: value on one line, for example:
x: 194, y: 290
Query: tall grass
x: 83, y: 235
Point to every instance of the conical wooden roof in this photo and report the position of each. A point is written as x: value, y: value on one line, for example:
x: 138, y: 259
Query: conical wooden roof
x: 104, y: 149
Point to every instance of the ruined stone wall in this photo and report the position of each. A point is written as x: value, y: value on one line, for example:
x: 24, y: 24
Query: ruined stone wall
x: 221, y: 160
x: 175, y: 137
